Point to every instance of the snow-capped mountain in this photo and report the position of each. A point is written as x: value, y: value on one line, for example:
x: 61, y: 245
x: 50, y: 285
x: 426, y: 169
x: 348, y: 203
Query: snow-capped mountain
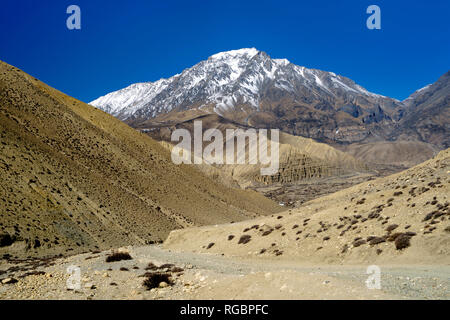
x: 238, y: 80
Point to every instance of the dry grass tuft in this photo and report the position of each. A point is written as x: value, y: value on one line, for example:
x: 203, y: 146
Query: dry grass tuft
x: 154, y: 279
x: 118, y: 256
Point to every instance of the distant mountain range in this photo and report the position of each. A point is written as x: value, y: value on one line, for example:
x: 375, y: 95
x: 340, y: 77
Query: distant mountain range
x: 249, y: 87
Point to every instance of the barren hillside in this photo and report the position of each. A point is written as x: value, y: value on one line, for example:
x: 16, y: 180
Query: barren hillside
x: 74, y: 178
x: 403, y: 218
x: 299, y: 158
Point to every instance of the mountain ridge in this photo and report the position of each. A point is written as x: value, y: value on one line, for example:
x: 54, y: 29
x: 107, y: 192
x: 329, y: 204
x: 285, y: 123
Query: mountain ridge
x: 249, y: 87
x: 240, y: 74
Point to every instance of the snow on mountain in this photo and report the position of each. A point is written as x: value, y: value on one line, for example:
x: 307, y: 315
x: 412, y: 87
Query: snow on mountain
x: 228, y: 80
x: 417, y: 93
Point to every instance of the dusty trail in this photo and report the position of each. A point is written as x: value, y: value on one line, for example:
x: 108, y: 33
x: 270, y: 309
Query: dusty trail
x: 208, y: 276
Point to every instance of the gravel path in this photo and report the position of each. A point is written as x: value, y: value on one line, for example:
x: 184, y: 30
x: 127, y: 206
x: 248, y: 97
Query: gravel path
x: 410, y: 282
x: 213, y: 276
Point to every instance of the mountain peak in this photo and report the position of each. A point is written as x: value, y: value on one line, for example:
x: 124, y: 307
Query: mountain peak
x: 248, y: 52
x: 233, y: 81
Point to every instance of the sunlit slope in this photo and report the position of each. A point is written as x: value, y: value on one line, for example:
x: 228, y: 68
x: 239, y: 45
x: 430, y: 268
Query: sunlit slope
x: 403, y: 218
x: 75, y: 178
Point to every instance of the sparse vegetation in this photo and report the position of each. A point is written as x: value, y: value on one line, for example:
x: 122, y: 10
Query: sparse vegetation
x: 118, y: 256
x: 359, y: 242
x: 151, y: 266
x: 245, y: 239
x: 392, y: 227
x: 176, y: 269
x: 376, y: 240
x: 267, y: 232
x: 6, y: 240
x: 393, y: 236
x: 153, y: 280
x: 344, y: 248
x: 168, y: 266
x: 402, y: 242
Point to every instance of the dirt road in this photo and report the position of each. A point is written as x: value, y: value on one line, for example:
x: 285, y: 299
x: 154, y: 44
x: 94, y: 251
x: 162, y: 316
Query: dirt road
x: 207, y: 276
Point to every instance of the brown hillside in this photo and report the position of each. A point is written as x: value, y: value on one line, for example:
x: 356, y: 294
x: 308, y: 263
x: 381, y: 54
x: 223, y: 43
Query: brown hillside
x: 403, y: 218
x: 74, y: 178
x: 398, y: 153
x: 300, y: 158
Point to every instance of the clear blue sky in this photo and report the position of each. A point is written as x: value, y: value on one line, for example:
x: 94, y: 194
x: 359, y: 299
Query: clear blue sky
x: 123, y: 42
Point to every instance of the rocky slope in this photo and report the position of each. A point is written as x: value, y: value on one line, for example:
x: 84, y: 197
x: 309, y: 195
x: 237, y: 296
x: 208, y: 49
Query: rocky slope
x: 75, y: 178
x: 427, y: 114
x: 299, y: 158
x: 400, y: 219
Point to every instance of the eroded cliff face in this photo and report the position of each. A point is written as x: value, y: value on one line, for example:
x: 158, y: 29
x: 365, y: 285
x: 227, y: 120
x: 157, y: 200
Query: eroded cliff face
x: 300, y: 158
x: 299, y: 168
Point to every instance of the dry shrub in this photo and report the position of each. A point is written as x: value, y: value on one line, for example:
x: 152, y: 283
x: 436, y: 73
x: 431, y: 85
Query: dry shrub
x: 176, y: 269
x: 392, y: 227
x: 32, y: 273
x: 402, y: 242
x: 394, y: 236
x: 118, y: 256
x: 6, y: 240
x: 376, y: 240
x: 359, y: 243
x: 245, y: 239
x: 151, y: 266
x: 154, y: 279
